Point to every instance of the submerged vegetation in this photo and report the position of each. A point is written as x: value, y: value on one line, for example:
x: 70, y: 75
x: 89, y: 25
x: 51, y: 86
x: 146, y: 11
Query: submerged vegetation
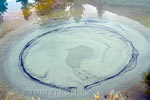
x: 146, y: 80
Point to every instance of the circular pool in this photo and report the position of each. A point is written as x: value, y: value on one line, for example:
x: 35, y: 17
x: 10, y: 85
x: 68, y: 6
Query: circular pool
x: 77, y: 56
x: 73, y: 56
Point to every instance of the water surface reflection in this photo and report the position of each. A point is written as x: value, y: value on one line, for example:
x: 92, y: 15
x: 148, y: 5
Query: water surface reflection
x: 59, y: 9
x: 3, y: 8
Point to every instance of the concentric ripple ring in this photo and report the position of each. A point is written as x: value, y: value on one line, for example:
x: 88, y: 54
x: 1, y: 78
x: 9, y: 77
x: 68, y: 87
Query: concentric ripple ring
x: 78, y: 48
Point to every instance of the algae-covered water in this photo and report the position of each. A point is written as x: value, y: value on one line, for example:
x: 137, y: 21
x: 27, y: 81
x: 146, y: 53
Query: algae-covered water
x: 72, y: 48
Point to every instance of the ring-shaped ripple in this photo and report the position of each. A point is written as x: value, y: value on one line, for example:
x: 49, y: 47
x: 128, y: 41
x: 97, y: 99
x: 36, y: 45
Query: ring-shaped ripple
x: 77, y: 56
